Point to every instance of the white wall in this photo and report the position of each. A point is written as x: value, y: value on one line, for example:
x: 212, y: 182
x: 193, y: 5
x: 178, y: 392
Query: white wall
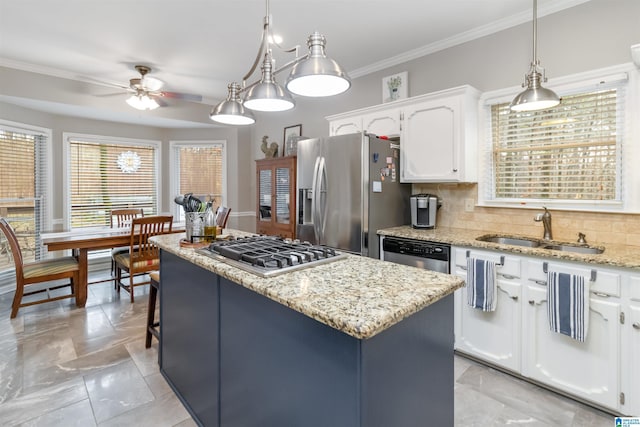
x: 591, y: 35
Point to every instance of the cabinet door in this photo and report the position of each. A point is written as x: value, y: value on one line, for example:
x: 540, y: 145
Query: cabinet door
x: 381, y: 123
x: 590, y: 369
x: 276, y: 196
x: 345, y: 126
x: 265, y: 184
x: 632, y: 389
x: 430, y: 141
x: 282, y: 193
x: 491, y: 336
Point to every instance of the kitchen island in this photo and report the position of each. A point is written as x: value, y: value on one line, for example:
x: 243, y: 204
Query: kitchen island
x: 354, y: 342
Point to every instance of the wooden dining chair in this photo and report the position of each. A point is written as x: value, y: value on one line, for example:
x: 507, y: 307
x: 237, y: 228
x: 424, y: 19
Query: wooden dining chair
x: 222, y: 215
x: 121, y: 218
x: 28, y: 274
x: 143, y: 256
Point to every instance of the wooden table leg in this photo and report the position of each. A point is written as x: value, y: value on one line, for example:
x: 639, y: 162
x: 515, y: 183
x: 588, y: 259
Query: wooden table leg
x: 83, y: 262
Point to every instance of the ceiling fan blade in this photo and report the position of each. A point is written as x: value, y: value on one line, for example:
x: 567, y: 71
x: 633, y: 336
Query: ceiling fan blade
x: 104, y: 83
x: 105, y: 95
x: 182, y: 96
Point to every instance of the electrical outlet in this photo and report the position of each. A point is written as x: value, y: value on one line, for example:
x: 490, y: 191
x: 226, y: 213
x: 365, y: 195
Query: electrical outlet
x: 468, y: 205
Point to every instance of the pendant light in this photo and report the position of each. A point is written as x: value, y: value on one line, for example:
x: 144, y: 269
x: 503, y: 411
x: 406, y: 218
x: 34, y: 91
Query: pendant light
x: 535, y: 97
x: 231, y: 111
x: 317, y: 75
x: 268, y: 95
x: 324, y: 76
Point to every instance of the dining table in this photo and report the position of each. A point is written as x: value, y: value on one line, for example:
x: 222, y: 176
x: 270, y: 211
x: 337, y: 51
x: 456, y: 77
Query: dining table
x: 81, y: 241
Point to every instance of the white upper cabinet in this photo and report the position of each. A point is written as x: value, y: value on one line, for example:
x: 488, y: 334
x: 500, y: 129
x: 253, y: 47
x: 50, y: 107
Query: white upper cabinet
x: 345, y: 126
x: 438, y: 133
x: 383, y: 123
x: 438, y: 142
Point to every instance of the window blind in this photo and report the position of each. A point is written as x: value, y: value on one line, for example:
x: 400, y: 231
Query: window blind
x: 282, y: 195
x: 200, y: 171
x: 570, y: 152
x: 105, y: 176
x: 23, y: 195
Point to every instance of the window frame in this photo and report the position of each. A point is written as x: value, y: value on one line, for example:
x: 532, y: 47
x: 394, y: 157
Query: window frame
x: 46, y: 215
x: 101, y: 139
x: 175, y: 171
x: 628, y: 176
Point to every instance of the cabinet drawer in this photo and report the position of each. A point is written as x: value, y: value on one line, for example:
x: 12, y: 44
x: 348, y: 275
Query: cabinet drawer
x: 634, y: 288
x: 509, y: 270
x: 607, y: 282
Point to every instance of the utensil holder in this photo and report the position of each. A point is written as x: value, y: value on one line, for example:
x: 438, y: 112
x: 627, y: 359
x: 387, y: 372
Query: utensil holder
x: 194, y: 226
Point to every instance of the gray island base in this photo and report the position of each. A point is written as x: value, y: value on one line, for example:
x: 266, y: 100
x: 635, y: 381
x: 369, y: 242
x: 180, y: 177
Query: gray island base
x: 237, y: 358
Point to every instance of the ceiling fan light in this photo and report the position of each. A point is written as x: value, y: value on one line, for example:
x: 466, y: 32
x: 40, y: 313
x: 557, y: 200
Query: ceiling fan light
x: 231, y: 111
x: 142, y: 102
x: 317, y: 75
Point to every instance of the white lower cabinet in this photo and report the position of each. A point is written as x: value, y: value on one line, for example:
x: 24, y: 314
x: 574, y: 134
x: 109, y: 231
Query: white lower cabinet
x: 495, y: 335
x: 604, y: 369
x: 589, y: 370
x: 632, y: 351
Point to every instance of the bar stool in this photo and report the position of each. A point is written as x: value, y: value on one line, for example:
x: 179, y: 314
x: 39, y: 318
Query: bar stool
x: 153, y: 327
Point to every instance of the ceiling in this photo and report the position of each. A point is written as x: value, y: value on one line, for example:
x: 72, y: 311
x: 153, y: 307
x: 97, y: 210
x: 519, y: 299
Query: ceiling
x: 199, y: 46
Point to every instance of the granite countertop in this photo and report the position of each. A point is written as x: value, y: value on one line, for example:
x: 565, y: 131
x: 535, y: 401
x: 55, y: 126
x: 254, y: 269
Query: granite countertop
x: 625, y: 256
x: 356, y: 295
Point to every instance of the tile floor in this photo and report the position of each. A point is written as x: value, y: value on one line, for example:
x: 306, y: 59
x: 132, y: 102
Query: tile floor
x: 64, y: 366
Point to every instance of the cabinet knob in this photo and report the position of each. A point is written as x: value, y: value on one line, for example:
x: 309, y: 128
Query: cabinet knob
x: 531, y: 302
x: 455, y: 170
x: 636, y: 325
x: 515, y: 298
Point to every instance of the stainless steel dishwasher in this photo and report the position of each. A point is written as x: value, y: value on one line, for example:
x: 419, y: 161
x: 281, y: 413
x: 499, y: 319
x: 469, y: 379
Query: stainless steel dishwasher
x: 417, y: 253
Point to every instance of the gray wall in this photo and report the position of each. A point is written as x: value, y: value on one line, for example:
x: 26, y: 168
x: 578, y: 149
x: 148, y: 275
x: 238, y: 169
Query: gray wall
x: 591, y: 35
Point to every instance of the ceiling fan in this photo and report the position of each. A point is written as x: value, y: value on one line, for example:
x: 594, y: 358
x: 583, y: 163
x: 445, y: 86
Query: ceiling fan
x: 146, y: 94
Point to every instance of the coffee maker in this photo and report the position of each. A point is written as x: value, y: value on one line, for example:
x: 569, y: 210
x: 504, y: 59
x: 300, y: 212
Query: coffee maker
x: 423, y: 210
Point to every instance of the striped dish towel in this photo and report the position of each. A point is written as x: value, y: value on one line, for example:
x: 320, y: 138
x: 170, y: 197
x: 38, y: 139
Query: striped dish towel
x: 568, y: 304
x: 481, y: 284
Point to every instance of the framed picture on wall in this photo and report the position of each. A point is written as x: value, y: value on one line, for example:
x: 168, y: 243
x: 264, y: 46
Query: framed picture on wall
x: 291, y: 136
x: 395, y: 87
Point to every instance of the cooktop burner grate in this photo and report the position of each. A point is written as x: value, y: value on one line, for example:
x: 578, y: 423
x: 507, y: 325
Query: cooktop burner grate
x: 268, y: 256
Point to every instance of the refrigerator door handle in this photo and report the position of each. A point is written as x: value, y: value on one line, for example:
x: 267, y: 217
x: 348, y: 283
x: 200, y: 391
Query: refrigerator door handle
x: 314, y: 200
x: 321, y: 194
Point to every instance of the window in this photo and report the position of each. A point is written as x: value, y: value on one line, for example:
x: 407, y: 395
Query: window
x: 199, y: 168
x: 109, y: 173
x: 23, y: 190
x: 569, y: 156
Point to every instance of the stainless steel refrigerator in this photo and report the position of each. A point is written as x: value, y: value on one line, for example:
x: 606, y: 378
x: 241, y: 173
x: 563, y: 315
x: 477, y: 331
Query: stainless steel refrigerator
x: 349, y: 188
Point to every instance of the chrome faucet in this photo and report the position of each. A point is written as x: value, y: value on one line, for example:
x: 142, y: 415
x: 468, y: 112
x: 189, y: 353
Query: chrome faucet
x: 546, y: 222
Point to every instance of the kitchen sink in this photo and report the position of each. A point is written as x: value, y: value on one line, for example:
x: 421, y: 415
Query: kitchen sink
x: 541, y: 244
x: 516, y: 241
x: 574, y: 248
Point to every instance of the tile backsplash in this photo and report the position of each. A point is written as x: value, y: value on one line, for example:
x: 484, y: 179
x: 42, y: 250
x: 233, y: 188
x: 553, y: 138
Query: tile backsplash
x: 600, y: 228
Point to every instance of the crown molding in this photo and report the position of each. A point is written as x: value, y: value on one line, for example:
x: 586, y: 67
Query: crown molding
x: 466, y: 36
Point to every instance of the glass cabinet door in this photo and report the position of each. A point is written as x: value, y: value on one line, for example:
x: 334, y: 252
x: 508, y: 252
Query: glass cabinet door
x: 265, y: 195
x: 282, y: 195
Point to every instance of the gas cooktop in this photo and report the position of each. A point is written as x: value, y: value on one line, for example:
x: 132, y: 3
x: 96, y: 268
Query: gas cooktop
x: 269, y: 256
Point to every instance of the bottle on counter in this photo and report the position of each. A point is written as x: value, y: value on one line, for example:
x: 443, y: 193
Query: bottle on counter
x: 210, y: 223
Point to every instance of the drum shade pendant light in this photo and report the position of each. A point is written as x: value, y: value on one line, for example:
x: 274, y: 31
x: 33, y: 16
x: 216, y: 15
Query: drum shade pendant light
x: 231, y: 111
x: 313, y: 74
x: 535, y: 97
